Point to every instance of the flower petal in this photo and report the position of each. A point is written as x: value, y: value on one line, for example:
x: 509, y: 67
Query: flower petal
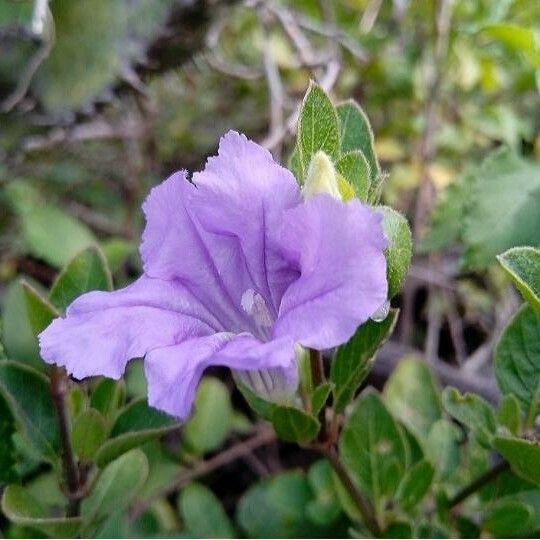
x: 173, y: 373
x: 102, y: 331
x: 338, y: 249
x: 216, y: 235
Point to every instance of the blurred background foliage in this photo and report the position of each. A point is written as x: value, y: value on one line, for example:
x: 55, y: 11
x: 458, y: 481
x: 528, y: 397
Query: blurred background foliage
x: 100, y: 100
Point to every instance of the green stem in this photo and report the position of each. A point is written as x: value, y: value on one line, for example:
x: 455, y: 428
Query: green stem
x: 317, y: 378
x: 362, y: 503
x: 71, y: 473
x: 479, y: 483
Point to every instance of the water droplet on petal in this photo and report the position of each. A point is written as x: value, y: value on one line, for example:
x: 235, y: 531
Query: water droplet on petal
x: 382, y: 312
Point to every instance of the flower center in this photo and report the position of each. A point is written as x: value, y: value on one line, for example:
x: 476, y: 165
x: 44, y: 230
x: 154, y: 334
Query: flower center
x: 255, y: 306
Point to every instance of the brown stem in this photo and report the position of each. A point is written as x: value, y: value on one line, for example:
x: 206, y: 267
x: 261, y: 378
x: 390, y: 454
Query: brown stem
x: 479, y: 483
x: 362, y: 503
x: 71, y: 473
x: 317, y: 378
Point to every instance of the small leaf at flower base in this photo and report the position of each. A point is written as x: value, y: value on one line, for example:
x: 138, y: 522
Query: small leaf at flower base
x: 371, y: 446
x: 87, y: 271
x: 294, y: 425
x: 356, y: 134
x: 517, y: 361
x: 508, y: 519
x: 203, y: 513
x: 509, y: 414
x: 319, y: 397
x: 442, y: 448
x: 295, y: 166
x: 135, y: 425
x: 355, y: 168
x: 523, y: 456
x: 472, y: 411
x: 23, y: 509
x: 351, y: 361
x: 522, y: 264
x: 413, y: 395
x: 88, y: 433
x: 399, y: 251
x: 28, y: 395
x: 261, y: 406
x: 115, y: 488
x: 211, y: 421
x: 108, y: 396
x: 415, y: 484
x: 317, y: 126
x: 40, y: 311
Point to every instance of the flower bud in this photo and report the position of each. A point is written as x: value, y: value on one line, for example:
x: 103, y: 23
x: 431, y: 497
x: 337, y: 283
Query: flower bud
x: 321, y: 177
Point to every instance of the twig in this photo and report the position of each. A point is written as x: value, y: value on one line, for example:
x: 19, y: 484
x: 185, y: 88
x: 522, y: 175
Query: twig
x: 370, y: 16
x: 237, y: 451
x: 362, y: 503
x: 392, y: 352
x: 58, y: 392
x: 27, y: 75
x: 479, y: 483
x: 275, y: 87
x: 456, y: 327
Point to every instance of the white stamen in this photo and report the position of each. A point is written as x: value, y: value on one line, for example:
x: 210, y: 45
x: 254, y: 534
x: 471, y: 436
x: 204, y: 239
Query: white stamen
x: 255, y: 306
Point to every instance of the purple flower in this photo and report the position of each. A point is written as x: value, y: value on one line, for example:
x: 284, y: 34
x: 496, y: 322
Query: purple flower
x: 238, y: 268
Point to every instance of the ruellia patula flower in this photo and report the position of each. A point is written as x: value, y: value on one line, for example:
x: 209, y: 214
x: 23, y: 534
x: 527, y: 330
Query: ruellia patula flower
x: 239, y: 269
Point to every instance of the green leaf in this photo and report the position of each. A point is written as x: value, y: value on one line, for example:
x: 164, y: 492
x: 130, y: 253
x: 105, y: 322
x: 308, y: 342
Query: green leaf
x: 522, y: 264
x: 88, y: 433
x: 324, y: 509
x: 399, y: 251
x: 136, y: 424
x: 87, y: 271
x: 356, y: 134
x: 317, y: 126
x: 351, y: 361
x: 211, y: 421
x: 398, y: 529
x: 519, y: 39
x: 488, y: 229
x: 28, y: 395
x: 372, y: 447
x: 115, y: 488
x: 508, y: 519
x: 54, y: 236
x: 203, y: 514
x: 23, y: 509
x: 319, y: 397
x: 415, y: 484
x: 517, y: 361
x: 108, y: 396
x: 87, y: 58
x: 7, y: 445
x: 442, y: 448
x: 472, y: 411
x: 18, y: 337
x: 294, y: 425
x: 355, y: 168
x: 509, y: 414
x: 523, y: 456
x: 413, y: 395
x: 447, y: 217
x: 276, y: 508
x: 40, y: 311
